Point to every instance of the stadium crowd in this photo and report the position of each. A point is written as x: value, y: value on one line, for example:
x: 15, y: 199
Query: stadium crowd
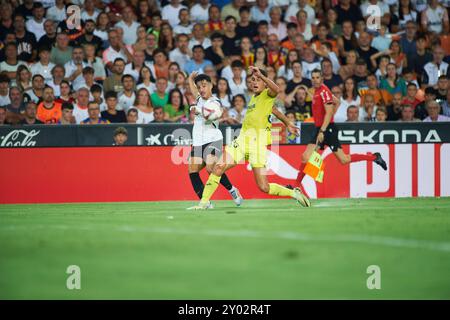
x: 118, y: 61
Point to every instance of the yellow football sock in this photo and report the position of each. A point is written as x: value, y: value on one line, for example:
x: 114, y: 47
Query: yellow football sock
x: 276, y: 190
x: 210, y: 187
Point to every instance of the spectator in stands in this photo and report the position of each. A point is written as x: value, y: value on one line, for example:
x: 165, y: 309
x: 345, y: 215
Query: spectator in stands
x: 185, y: 26
x: 407, y: 114
x: 171, y: 11
x: 56, y: 12
x: 446, y: 105
x: 74, y: 67
x: 89, y: 11
x: 365, y: 50
x: 120, y: 135
x: 215, y: 53
x: 29, y: 115
x: 276, y: 26
x: 352, y: 113
x: 36, y: 24
x: 393, y: 83
x: 97, y: 95
x: 132, y: 115
x: 237, y: 83
x: 117, y: 49
x: 198, y: 62
x: 260, y: 11
x: 144, y: 14
x: 111, y: 113
x: 350, y: 97
x: 114, y: 82
x: 181, y: 54
x: 420, y: 111
x: 94, y: 115
x: 199, y: 11
x: 160, y: 96
x: 299, y: 106
x: 442, y: 88
x: 25, y: 9
x: 230, y: 37
x: 383, y: 40
x: 16, y: 107
x: 49, y: 111
x: 37, y: 89
x: 411, y: 93
x: 44, y: 66
x: 300, y: 5
x: 286, y: 69
x: 160, y: 65
x: 127, y: 96
x: 61, y: 53
x: 246, y: 27
x: 310, y: 62
x: 89, y: 37
x: 368, y: 109
x: 361, y: 73
x: 348, y: 70
x: 330, y: 79
x: 261, y: 58
x: 26, y: 40
x: 3, y: 116
x: 394, y: 109
x: 347, y: 11
x: 11, y: 63
x: 232, y: 9
x: 435, y: 68
x: 304, y: 28
x: 67, y: 114
x: 298, y: 78
x: 80, y: 108
x: 223, y: 93
x: 4, y: 90
x: 237, y: 113
x: 434, y: 110
x: 65, y: 91
x: 129, y: 26
x: 381, y: 115
x: 175, y: 110
x: 23, y: 78
x: 435, y: 18
x: 49, y: 38
x: 166, y: 39
x: 214, y: 23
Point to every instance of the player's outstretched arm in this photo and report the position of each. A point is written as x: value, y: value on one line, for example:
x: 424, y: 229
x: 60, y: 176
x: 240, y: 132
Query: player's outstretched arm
x: 274, y: 89
x: 290, y: 126
x: 192, y: 85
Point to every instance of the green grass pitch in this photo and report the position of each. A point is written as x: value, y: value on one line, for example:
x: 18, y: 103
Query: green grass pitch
x: 268, y: 249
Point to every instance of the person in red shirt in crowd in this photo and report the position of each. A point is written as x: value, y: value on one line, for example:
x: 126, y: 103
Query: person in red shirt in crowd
x: 323, y: 109
x: 49, y: 111
x: 411, y: 94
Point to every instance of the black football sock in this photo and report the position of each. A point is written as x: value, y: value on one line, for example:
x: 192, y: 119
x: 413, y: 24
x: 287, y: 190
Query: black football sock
x: 226, y: 182
x: 197, y: 183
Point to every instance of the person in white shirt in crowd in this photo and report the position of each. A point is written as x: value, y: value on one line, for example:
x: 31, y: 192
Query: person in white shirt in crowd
x: 350, y: 96
x: 434, y: 109
x: 181, y: 54
x: 170, y: 12
x: 11, y: 63
x: 237, y: 83
x: 101, y: 26
x: 237, y: 113
x: 434, y: 69
x: 223, y: 93
x: 128, y: 25
x: 35, y: 25
x: 276, y: 26
x: 260, y: 11
x: 89, y: 11
x: 145, y: 80
x: 310, y: 62
x: 199, y: 37
x: 291, y: 13
x: 368, y: 109
x: 80, y: 107
x: 116, y: 49
x: 4, y: 90
x: 57, y: 12
x: 435, y: 18
x: 227, y: 72
x: 43, y: 66
x: 185, y: 25
x: 143, y: 105
x: 58, y: 73
x: 94, y: 61
x: 199, y: 11
x: 127, y: 96
x: 134, y: 68
x: 74, y: 67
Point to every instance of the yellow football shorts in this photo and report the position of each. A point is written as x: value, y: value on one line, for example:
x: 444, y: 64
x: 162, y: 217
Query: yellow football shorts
x: 249, y: 149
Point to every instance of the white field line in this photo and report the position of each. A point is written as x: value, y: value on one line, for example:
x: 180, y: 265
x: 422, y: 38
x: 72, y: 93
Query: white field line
x: 285, y: 235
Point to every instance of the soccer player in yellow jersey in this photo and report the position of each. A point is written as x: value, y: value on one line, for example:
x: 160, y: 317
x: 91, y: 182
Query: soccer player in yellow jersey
x: 252, y: 142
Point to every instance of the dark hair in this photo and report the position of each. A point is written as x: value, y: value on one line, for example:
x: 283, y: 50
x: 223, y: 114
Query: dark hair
x: 291, y: 25
x: 140, y: 79
x: 126, y: 76
x: 87, y: 70
x: 181, y: 35
x: 355, y: 93
x: 37, y: 75
x: 96, y: 88
x: 325, y: 60
x: 215, y: 36
x: 202, y: 77
x: 171, y: 92
x: 120, y: 130
x: 110, y: 94
x: 216, y: 88
x: 119, y: 59
x: 411, y: 84
x: 263, y: 23
x: 159, y: 50
x: 131, y: 110
x: 198, y: 46
x: 4, y: 78
x: 37, y: 5
x: 67, y: 105
x: 244, y: 9
x: 237, y: 64
x: 230, y: 18
x: 238, y: 96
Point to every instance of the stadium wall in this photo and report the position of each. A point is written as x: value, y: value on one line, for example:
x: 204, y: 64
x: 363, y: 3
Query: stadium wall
x: 111, y: 174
